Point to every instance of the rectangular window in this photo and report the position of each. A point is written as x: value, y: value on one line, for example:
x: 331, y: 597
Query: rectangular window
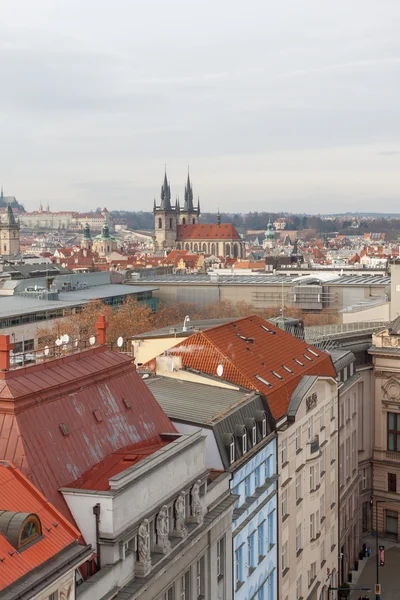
x: 322, y: 463
x: 247, y: 490
x: 393, y: 436
x: 264, y: 427
x: 244, y: 443
x: 53, y: 596
x: 341, y: 465
x: 353, y: 451
x: 238, y: 566
x: 298, y: 538
x: 232, y: 452
x: 220, y: 557
x: 332, y: 409
x: 322, y: 550
x: 284, y: 556
x: 261, y: 551
x: 185, y: 586
x: 284, y: 451
x: 333, y: 453
x: 251, y: 559
x: 200, y: 578
x: 348, y: 470
x: 284, y: 503
x: 348, y: 409
x: 310, y: 429
x: 298, y: 589
x: 322, y: 506
x: 364, y: 479
x: 333, y: 537
x: 312, y: 526
x: 298, y: 486
x: 254, y: 436
x: 271, y: 535
x: 312, y: 478
x: 169, y: 594
x: 392, y: 482
x: 321, y: 418
x: 257, y: 477
x: 298, y: 438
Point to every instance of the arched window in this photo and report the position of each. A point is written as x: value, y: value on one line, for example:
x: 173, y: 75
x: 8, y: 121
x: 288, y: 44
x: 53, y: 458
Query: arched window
x: 30, y: 530
x: 227, y: 249
x: 204, y: 247
x: 170, y: 223
x: 213, y: 249
x: 195, y: 248
x: 187, y: 247
x: 235, y: 250
x: 159, y: 223
x: 178, y: 246
x: 183, y: 221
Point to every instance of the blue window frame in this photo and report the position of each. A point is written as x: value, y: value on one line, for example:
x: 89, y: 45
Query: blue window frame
x: 261, y: 533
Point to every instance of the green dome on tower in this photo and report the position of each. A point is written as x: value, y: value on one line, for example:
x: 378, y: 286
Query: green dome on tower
x: 269, y: 234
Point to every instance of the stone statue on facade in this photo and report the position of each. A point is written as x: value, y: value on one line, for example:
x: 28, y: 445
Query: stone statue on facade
x: 144, y: 564
x: 180, y: 527
x: 196, y: 504
x: 162, y: 528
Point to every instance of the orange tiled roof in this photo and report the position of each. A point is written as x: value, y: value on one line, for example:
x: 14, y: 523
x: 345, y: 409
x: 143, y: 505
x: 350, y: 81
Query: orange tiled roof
x: 18, y: 494
x: 225, y: 231
x: 244, y: 360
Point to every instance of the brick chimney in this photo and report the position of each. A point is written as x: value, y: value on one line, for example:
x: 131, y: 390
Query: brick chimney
x: 101, y: 327
x: 5, y: 348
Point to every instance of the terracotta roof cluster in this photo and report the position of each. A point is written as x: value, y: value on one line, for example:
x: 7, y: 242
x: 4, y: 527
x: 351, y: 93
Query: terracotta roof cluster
x: 17, y: 494
x: 256, y: 355
x: 61, y: 417
x: 225, y: 232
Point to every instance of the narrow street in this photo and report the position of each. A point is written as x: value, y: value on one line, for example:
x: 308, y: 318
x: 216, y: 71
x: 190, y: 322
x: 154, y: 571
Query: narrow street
x: 389, y: 575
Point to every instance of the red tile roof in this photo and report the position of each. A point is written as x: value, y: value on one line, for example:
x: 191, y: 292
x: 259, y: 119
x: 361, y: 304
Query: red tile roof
x: 97, y: 478
x: 249, y: 348
x: 225, y: 231
x: 17, y: 494
x: 36, y: 399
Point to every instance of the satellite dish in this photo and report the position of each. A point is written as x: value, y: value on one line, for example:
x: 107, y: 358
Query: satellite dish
x: 46, y: 351
x: 120, y: 341
x: 220, y: 370
x: 58, y: 342
x: 65, y: 338
x: 92, y: 340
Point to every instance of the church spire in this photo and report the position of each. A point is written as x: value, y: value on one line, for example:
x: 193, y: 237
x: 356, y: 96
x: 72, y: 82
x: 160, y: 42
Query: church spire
x: 165, y: 194
x: 188, y: 205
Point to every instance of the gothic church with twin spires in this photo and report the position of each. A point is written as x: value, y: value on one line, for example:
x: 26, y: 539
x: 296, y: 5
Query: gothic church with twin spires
x: 177, y: 227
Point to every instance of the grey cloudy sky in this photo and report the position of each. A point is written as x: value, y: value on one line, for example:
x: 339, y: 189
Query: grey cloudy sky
x: 276, y: 105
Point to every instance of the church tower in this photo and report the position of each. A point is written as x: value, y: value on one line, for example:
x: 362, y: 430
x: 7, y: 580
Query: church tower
x: 165, y: 217
x: 188, y: 214
x: 87, y: 241
x: 9, y: 229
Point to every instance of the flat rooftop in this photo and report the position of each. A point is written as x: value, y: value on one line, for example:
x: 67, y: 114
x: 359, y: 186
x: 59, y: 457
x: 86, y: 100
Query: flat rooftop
x: 178, y: 331
x: 16, y: 305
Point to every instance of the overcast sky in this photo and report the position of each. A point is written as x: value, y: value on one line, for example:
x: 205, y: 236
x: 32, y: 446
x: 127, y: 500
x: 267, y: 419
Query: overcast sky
x: 286, y: 105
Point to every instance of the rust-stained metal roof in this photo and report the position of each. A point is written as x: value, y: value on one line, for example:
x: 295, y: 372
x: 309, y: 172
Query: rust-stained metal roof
x: 97, y: 478
x: 48, y: 428
x: 17, y: 494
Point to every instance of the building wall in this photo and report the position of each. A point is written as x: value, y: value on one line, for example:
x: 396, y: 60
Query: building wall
x: 303, y: 497
x: 366, y: 432
x: 63, y: 588
x: 349, y: 501
x: 386, y: 458
x: 255, y: 544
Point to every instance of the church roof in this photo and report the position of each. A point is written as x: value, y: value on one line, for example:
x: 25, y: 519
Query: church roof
x: 204, y: 231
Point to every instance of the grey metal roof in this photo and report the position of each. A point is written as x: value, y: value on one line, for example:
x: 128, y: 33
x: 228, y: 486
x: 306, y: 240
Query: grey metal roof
x: 195, y: 402
x: 360, y: 280
x: 192, y: 327
x: 302, y: 388
x: 341, y: 358
x: 16, y: 305
x: 385, y: 350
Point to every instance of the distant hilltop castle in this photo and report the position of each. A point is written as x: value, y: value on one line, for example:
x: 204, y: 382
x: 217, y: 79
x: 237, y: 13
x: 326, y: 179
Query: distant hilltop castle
x: 65, y: 220
x: 177, y: 227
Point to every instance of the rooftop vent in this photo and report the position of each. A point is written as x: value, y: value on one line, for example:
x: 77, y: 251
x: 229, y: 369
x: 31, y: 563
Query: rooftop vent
x: 126, y: 403
x: 64, y: 429
x: 287, y: 369
x: 98, y: 416
x: 298, y: 362
x: 312, y: 352
x: 264, y: 381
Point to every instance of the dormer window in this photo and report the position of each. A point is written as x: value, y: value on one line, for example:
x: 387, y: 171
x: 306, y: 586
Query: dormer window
x: 244, y: 442
x: 254, y: 436
x: 232, y: 452
x: 20, y: 529
x: 30, y: 531
x: 264, y: 427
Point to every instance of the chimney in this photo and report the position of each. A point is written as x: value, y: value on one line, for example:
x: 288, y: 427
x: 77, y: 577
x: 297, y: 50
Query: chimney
x: 101, y: 326
x: 5, y: 349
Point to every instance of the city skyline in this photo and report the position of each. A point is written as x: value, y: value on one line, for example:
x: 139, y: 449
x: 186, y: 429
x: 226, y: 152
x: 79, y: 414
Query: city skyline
x: 282, y: 108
